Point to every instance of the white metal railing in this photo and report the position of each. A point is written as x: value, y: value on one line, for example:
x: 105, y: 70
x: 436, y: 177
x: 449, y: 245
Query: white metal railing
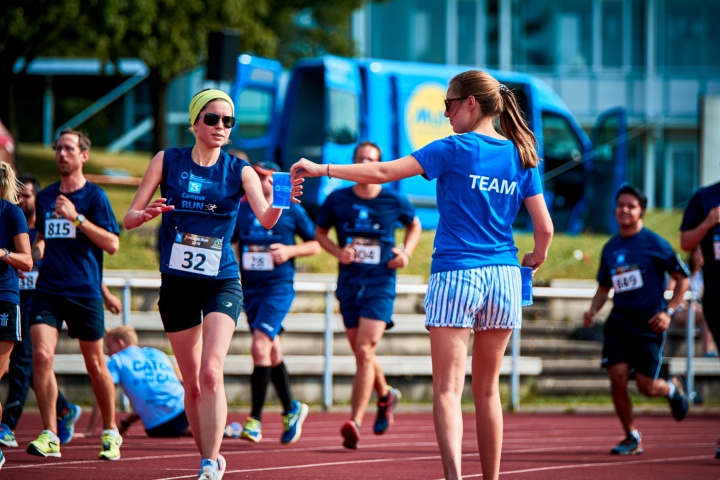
x: 126, y: 284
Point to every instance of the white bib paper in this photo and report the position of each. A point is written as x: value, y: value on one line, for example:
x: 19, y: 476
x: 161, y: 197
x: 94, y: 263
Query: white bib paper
x: 257, y: 258
x: 28, y: 281
x: 196, y: 254
x: 627, y: 281
x: 367, y: 250
x: 59, y: 228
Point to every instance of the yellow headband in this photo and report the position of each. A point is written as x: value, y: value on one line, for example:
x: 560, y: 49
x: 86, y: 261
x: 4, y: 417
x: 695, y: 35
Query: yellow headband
x: 201, y: 99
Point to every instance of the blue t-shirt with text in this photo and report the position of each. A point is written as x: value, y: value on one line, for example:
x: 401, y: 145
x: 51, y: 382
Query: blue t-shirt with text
x: 368, y: 225
x: 13, y: 223
x: 256, y: 266
x: 700, y: 204
x: 150, y: 382
x: 635, y: 268
x: 72, y: 264
x: 481, y: 186
x: 195, y: 237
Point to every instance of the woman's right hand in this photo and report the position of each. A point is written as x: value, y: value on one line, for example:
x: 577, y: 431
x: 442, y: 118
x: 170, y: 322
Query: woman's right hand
x: 155, y: 208
x: 305, y: 168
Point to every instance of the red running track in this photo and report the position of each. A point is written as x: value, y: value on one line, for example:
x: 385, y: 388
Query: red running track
x: 536, y: 446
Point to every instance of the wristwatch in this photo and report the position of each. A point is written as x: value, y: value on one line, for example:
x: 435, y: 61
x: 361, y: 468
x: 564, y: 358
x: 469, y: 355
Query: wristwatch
x: 79, y: 220
x: 670, y: 312
x: 7, y: 254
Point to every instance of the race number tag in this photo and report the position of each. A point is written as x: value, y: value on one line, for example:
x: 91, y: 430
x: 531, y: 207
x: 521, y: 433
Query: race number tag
x: 196, y: 254
x: 59, y: 227
x: 28, y: 280
x: 627, y: 281
x: 257, y: 258
x: 716, y: 247
x: 367, y: 250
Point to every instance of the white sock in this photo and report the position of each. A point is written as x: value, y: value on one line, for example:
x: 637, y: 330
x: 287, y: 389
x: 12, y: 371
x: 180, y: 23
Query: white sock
x: 112, y: 432
x: 53, y: 436
x: 635, y: 434
x: 672, y: 388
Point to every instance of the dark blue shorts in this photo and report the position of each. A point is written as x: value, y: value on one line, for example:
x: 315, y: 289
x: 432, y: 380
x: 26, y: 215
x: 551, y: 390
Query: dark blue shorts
x: 172, y: 428
x: 10, y: 325
x: 637, y: 346
x: 184, y: 301
x: 369, y: 301
x: 84, y: 317
x: 266, y: 308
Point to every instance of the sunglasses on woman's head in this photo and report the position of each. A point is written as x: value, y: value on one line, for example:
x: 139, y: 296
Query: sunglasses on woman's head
x: 211, y: 119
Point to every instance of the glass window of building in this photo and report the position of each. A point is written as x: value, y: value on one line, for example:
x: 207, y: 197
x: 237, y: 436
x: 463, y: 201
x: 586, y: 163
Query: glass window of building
x: 612, y: 33
x: 688, y: 35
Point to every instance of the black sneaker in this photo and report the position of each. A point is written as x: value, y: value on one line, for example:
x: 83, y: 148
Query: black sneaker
x: 629, y: 446
x: 679, y: 400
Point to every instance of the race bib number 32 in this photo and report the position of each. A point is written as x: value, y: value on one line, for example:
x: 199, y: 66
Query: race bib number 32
x: 196, y: 254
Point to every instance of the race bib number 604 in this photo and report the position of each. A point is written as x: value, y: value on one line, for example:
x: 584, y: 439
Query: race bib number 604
x: 196, y: 254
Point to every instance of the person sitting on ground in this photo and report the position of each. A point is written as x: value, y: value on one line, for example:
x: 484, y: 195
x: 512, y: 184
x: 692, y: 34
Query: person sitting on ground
x: 155, y: 391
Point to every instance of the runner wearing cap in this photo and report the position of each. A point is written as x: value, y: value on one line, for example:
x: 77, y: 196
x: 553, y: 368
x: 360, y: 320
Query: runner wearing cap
x: 267, y: 267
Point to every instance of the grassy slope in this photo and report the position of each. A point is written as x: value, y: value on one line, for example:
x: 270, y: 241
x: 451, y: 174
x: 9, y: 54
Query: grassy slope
x: 136, y: 250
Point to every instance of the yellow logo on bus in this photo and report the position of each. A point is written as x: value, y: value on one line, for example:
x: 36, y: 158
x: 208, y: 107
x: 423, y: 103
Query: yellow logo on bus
x: 425, y: 115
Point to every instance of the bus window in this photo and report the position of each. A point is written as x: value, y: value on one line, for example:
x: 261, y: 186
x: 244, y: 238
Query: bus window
x: 306, y: 126
x: 253, y: 119
x: 343, y: 117
x: 564, y: 177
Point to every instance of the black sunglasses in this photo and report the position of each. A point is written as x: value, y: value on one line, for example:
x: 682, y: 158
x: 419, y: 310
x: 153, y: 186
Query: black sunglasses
x: 448, y: 101
x: 211, y: 119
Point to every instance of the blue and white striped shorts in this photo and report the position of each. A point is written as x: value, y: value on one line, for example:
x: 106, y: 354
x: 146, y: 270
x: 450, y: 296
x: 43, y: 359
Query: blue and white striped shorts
x: 478, y: 298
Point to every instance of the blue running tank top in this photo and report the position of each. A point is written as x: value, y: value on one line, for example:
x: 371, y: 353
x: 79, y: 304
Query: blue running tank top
x: 195, y: 236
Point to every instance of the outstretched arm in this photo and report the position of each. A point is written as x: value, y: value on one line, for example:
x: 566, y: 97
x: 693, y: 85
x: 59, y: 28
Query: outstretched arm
x: 369, y: 173
x: 141, y: 209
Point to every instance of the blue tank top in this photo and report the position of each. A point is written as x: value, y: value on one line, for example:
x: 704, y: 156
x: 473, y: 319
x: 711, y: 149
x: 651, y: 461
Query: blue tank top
x: 14, y: 223
x: 195, y: 236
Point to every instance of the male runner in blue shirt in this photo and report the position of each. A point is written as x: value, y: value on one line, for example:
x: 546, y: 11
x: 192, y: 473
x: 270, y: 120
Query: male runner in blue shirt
x: 634, y: 264
x: 267, y: 268
x: 76, y: 226
x: 364, y: 217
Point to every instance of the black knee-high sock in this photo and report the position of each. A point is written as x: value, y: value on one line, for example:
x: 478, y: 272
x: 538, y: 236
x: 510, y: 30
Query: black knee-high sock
x: 259, y: 381
x: 281, y: 380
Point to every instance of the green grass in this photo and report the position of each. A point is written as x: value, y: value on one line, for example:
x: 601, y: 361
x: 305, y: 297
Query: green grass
x: 137, y: 246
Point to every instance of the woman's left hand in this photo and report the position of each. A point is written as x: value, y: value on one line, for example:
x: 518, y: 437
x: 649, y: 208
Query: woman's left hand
x: 305, y: 168
x: 297, y: 189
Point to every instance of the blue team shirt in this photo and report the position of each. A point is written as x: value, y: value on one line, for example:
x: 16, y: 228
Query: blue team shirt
x: 254, y: 242
x: 13, y: 223
x: 26, y: 295
x: 481, y: 186
x: 700, y: 204
x: 635, y: 267
x: 369, y: 223
x: 150, y: 382
x: 72, y: 266
x: 195, y: 238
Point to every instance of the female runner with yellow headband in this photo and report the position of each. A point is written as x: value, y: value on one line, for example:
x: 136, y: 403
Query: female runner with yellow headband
x: 200, y: 295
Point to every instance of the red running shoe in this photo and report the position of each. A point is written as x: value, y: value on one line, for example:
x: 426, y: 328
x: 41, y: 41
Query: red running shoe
x: 351, y: 434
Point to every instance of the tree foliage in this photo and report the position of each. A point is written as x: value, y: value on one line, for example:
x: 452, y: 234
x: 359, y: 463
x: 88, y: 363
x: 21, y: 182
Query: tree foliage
x: 170, y: 36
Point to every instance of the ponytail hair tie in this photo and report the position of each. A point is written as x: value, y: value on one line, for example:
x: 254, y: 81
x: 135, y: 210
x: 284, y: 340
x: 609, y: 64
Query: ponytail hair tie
x: 503, y: 88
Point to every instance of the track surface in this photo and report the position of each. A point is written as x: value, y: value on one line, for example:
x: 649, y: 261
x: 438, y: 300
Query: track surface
x: 536, y: 446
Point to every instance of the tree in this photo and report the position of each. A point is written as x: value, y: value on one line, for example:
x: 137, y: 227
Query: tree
x: 170, y: 36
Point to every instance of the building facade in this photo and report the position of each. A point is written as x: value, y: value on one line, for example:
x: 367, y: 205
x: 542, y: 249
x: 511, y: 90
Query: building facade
x: 656, y: 58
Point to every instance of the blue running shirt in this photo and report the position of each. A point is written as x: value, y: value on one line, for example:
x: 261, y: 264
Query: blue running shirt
x: 635, y: 267
x: 150, y: 382
x: 700, y: 204
x: 481, y: 186
x: 13, y: 223
x: 256, y: 264
x: 369, y: 225
x: 72, y: 264
x: 195, y: 237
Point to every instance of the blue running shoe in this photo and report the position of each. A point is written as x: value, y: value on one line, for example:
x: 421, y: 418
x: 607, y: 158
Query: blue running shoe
x: 252, y: 430
x: 385, y: 411
x: 2, y: 459
x: 66, y: 424
x: 293, y: 421
x: 679, y: 401
x: 629, y: 446
x: 7, y: 437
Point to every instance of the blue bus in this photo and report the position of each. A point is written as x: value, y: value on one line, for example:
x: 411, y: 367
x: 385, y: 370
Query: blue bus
x: 324, y: 106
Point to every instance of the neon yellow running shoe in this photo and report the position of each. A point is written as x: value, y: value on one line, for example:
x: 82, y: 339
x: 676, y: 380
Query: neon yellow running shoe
x: 252, y: 430
x: 45, y: 445
x: 110, y: 446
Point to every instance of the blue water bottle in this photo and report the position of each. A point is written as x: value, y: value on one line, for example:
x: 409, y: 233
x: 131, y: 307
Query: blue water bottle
x: 526, y: 279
